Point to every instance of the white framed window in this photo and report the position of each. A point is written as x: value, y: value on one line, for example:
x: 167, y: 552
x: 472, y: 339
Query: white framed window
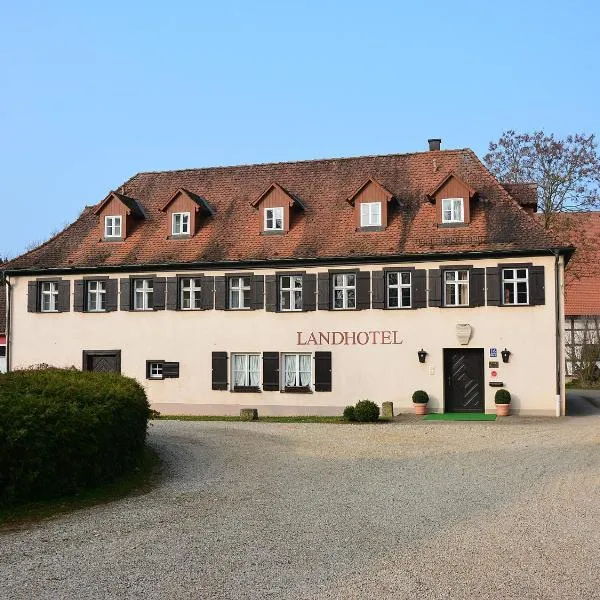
x: 296, y: 371
x: 245, y: 370
x: 112, y: 226
x: 274, y: 219
x: 370, y: 214
x: 344, y: 290
x: 49, y: 296
x: 96, y: 296
x: 453, y: 210
x: 180, y: 223
x: 239, y: 293
x: 399, y: 289
x: 143, y: 294
x: 515, y: 286
x: 155, y: 370
x: 190, y: 293
x: 290, y: 292
x: 456, y: 288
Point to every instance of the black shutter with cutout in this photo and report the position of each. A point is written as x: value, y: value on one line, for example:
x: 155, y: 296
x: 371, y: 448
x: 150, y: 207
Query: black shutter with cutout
x: 125, y: 293
x: 221, y: 292
x: 379, y: 289
x: 172, y: 293
x: 159, y: 287
x: 537, y: 286
x: 219, y: 370
x: 435, y: 287
x: 112, y: 292
x: 322, y: 371
x: 257, y: 293
x: 492, y: 276
x: 309, y: 292
x: 419, y: 288
x: 271, y: 371
x: 324, y: 291
x: 477, y: 287
x: 170, y: 370
x: 78, y: 295
x: 207, y: 292
x: 33, y: 296
x: 64, y: 296
x: 271, y: 293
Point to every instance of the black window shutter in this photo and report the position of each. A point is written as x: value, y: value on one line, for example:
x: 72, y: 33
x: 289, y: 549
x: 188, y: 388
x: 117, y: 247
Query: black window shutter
x: 309, y: 292
x: 111, y: 294
x: 379, y: 289
x: 33, y: 297
x: 537, y: 286
x: 125, y: 293
x: 172, y: 293
x: 159, y: 286
x: 492, y: 275
x: 78, y: 295
x: 322, y: 371
x: 271, y: 293
x: 170, y: 370
x: 435, y: 287
x: 219, y: 370
x: 324, y: 291
x: 477, y: 287
x: 220, y: 292
x: 363, y: 290
x: 64, y: 296
x: 419, y: 288
x: 257, y: 293
x: 207, y: 292
x: 271, y: 371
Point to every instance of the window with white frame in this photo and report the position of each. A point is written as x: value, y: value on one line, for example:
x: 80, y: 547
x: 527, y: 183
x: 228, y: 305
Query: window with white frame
x: 370, y: 214
x: 180, y: 223
x: 456, y: 288
x: 239, y: 293
x: 143, y: 294
x: 96, y: 296
x: 155, y: 370
x: 274, y: 219
x: 245, y: 370
x: 112, y: 227
x: 296, y: 370
x: 515, y: 286
x: 49, y: 296
x: 453, y: 210
x: 190, y: 293
x: 290, y: 292
x: 398, y: 289
x: 344, y: 290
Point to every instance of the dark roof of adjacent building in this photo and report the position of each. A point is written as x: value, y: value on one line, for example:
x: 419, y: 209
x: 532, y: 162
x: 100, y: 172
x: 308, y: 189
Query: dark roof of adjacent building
x: 325, y: 229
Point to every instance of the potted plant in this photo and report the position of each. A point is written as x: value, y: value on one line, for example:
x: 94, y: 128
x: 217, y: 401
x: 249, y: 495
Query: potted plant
x: 502, y: 399
x: 420, y: 400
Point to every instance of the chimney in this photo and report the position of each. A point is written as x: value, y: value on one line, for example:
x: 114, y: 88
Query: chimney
x: 434, y: 144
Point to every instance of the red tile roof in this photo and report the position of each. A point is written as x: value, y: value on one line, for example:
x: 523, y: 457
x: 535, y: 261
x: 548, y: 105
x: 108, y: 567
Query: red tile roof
x: 326, y: 229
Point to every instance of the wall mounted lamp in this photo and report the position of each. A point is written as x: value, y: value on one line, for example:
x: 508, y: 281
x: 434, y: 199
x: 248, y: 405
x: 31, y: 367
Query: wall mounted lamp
x: 505, y: 355
x: 422, y: 354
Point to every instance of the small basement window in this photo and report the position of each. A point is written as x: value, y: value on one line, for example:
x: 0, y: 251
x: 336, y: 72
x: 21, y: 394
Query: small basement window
x: 112, y: 227
x: 453, y: 210
x: 274, y: 219
x: 370, y: 214
x: 180, y: 223
x: 155, y: 370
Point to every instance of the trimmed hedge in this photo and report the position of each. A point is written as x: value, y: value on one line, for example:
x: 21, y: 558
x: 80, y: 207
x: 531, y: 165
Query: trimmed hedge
x: 62, y: 430
x: 349, y: 413
x: 502, y: 397
x: 366, y: 411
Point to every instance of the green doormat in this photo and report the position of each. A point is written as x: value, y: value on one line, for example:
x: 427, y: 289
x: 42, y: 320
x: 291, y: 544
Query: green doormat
x: 459, y: 417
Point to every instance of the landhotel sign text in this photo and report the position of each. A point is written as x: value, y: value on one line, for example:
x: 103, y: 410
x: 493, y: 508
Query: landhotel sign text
x: 347, y: 338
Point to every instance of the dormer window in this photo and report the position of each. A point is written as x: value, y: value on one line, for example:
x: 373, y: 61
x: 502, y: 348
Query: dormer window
x: 112, y: 227
x: 453, y: 210
x: 180, y: 223
x: 274, y: 219
x: 370, y: 214
x: 371, y: 202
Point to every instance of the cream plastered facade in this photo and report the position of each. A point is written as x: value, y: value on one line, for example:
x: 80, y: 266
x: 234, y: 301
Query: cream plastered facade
x: 376, y: 371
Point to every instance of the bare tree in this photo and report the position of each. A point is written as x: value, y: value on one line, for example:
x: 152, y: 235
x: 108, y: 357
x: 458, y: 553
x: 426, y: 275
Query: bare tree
x: 583, y: 350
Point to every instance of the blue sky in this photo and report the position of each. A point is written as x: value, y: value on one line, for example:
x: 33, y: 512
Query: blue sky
x: 94, y: 92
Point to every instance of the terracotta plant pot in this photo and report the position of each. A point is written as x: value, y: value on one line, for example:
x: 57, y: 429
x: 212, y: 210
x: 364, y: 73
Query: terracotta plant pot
x: 502, y: 410
x: 420, y: 408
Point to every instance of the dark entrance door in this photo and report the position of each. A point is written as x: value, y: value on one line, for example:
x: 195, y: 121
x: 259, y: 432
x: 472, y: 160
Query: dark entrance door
x: 463, y: 376
x: 102, y: 361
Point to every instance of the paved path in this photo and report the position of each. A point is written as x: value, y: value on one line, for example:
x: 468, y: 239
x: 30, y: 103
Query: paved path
x: 583, y: 402
x: 508, y: 509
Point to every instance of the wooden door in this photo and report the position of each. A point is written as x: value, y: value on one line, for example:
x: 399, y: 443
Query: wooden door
x: 464, y: 389
x: 102, y: 361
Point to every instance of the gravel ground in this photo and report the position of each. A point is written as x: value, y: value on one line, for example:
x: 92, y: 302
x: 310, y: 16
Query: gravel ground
x: 508, y: 509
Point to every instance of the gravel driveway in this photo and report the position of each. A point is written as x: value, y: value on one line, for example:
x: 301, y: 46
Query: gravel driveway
x: 409, y: 510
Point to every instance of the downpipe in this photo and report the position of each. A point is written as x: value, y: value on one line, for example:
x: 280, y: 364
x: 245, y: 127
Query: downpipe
x: 6, y: 281
x: 559, y: 326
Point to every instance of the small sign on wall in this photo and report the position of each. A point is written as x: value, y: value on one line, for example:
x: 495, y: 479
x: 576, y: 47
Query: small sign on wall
x: 493, y: 352
x: 493, y: 364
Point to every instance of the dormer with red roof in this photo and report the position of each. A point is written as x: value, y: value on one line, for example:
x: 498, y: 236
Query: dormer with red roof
x: 370, y: 203
x: 274, y: 206
x: 183, y: 211
x: 118, y: 214
x: 452, y: 197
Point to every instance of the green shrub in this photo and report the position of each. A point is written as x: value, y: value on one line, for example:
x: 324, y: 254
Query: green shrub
x: 366, y: 411
x: 349, y: 413
x: 63, y: 430
x: 502, y: 397
x: 420, y: 397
